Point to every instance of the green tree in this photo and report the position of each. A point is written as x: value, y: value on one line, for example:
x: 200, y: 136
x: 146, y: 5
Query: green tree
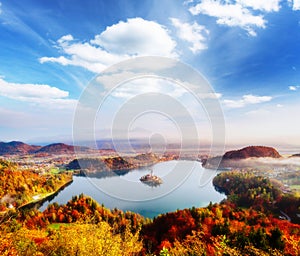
x: 276, y: 240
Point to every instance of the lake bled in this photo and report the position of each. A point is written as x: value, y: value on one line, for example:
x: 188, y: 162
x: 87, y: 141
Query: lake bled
x: 185, y: 184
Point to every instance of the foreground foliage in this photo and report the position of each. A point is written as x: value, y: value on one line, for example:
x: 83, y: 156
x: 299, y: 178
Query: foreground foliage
x: 247, y: 223
x: 245, y: 189
x: 81, y: 227
x: 76, y: 239
x: 21, y: 187
x: 221, y: 228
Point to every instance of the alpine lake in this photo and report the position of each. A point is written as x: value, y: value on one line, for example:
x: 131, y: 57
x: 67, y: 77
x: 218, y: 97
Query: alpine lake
x: 185, y: 184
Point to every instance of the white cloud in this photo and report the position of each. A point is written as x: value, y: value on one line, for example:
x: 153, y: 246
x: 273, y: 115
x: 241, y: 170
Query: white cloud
x: 41, y: 94
x: 135, y: 37
x: 211, y: 95
x: 252, y: 99
x: 14, y: 90
x: 0, y: 8
x: 83, y: 55
x: 68, y: 104
x: 293, y: 88
x: 65, y: 38
x: 148, y: 85
x: 261, y: 5
x: 194, y: 33
x: 61, y: 60
x: 295, y: 4
x: 248, y: 99
x: 154, y: 85
x: 232, y: 15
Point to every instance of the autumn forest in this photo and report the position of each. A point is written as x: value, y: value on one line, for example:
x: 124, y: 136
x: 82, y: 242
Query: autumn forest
x: 249, y: 222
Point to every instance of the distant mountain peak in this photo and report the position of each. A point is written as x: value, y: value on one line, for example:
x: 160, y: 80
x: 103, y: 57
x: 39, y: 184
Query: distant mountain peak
x: 17, y: 147
x: 57, y: 148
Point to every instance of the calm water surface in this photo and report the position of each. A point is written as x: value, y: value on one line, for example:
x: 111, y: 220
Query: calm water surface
x: 185, y: 184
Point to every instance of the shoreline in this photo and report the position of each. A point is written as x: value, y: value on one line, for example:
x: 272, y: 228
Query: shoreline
x: 38, y: 202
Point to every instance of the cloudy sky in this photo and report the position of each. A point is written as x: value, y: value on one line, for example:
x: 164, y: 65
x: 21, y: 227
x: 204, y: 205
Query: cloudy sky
x: 248, y: 50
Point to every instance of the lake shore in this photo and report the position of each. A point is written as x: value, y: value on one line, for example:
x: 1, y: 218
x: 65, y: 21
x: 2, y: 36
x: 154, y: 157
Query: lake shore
x: 111, y: 190
x: 47, y: 197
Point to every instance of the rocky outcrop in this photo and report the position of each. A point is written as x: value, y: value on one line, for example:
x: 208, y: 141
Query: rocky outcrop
x: 251, y: 151
x: 245, y: 157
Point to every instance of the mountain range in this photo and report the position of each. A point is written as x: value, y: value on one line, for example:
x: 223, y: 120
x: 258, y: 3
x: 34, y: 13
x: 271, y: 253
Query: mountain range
x: 21, y: 148
x: 17, y: 147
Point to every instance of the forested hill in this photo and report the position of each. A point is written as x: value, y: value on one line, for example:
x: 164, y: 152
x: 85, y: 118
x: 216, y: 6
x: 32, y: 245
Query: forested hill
x: 17, y: 147
x: 252, y: 151
x: 249, y: 222
x: 19, y: 187
x: 238, y: 158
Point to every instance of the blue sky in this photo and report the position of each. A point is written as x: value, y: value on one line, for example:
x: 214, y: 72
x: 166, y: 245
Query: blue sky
x: 247, y: 49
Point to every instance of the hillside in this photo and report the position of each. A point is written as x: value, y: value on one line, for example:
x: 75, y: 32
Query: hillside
x: 86, y: 163
x: 117, y: 163
x: 19, y: 187
x: 252, y: 151
x: 295, y: 155
x: 113, y: 163
x: 99, y: 164
x: 17, y: 147
x: 241, y: 158
x: 20, y: 148
x: 61, y: 148
x: 143, y: 159
x: 248, y: 222
x: 219, y: 229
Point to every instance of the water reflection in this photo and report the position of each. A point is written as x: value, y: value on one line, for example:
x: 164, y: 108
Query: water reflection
x: 157, y: 200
